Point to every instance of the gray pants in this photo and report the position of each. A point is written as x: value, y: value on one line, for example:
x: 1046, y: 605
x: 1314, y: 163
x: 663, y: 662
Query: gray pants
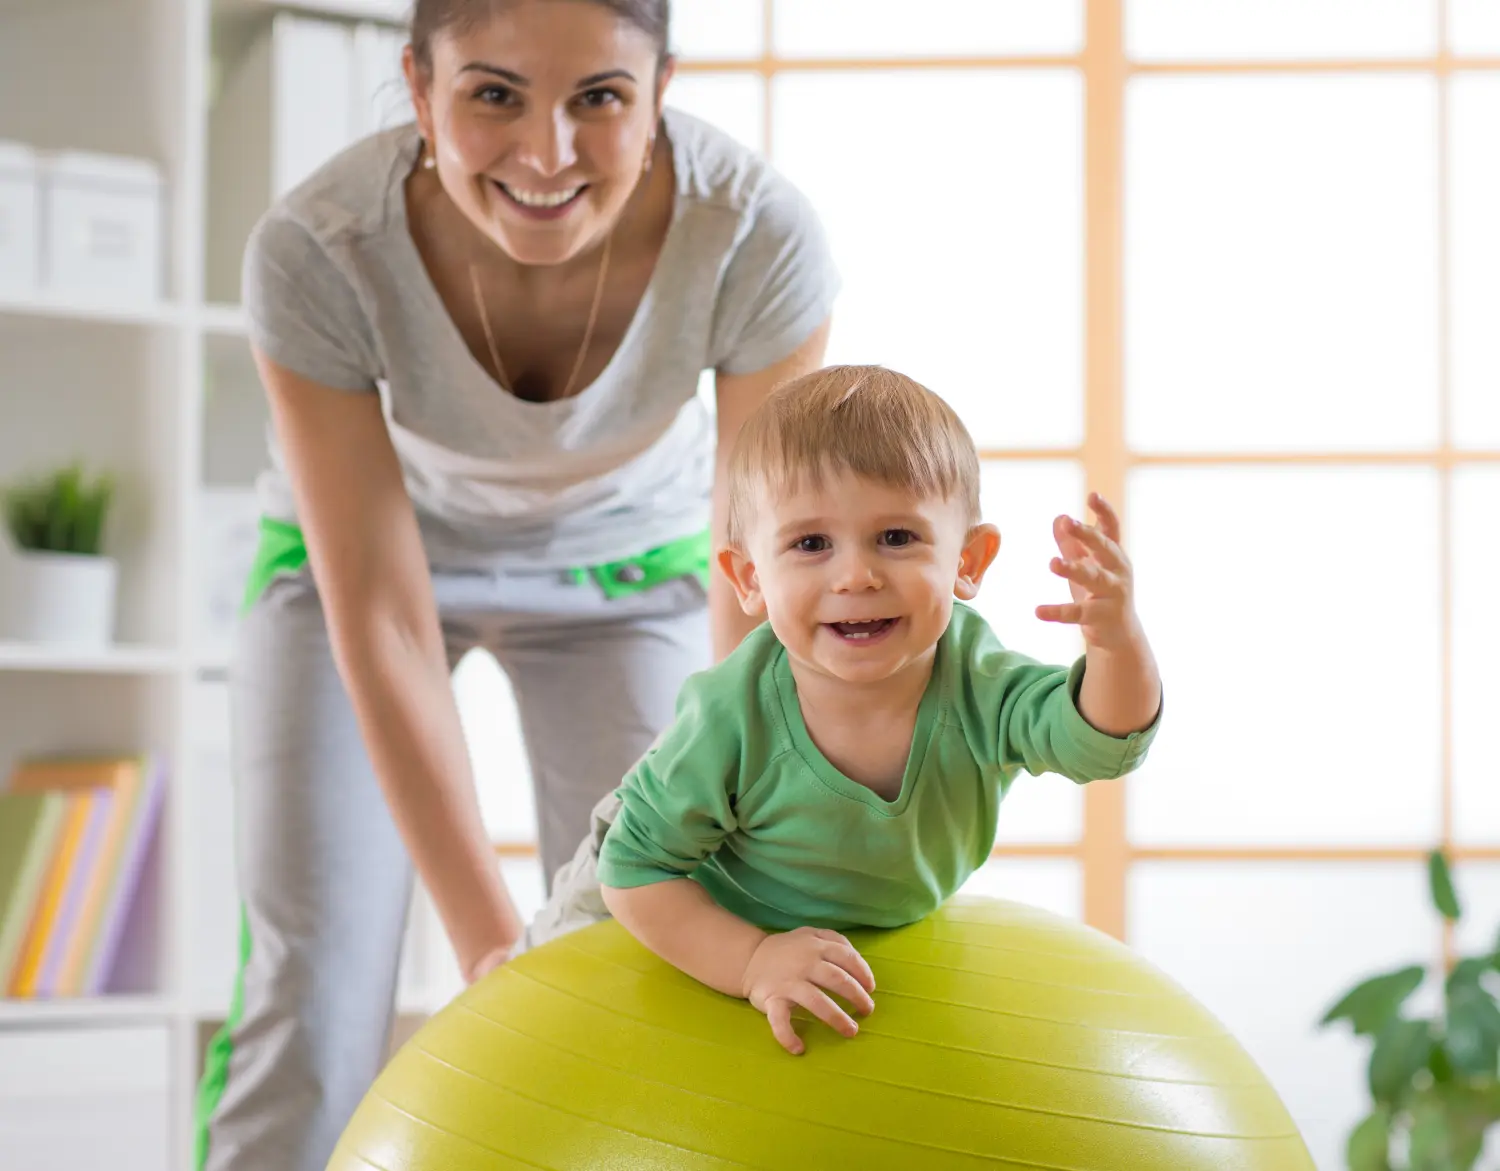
x: 324, y: 877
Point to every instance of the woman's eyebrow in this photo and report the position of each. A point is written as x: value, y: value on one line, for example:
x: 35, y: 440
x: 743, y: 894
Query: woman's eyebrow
x: 517, y: 80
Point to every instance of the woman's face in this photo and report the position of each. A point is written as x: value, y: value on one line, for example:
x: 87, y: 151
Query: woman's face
x: 540, y: 119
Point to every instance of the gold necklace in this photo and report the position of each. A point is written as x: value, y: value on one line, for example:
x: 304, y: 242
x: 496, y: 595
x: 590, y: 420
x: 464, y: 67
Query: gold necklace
x: 588, y: 333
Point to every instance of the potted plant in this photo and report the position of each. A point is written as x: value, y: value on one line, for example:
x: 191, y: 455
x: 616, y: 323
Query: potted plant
x: 1434, y: 1081
x: 58, y: 586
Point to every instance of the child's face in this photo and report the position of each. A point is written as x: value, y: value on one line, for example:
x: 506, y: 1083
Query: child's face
x: 858, y: 578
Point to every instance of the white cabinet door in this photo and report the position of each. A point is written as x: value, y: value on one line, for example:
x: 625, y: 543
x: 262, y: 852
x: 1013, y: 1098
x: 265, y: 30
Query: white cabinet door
x: 85, y: 1099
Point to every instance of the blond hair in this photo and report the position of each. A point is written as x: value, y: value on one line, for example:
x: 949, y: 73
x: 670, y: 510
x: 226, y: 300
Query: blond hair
x: 865, y: 420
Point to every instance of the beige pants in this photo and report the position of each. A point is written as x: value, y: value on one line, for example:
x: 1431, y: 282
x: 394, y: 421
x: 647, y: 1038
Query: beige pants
x: 576, y: 900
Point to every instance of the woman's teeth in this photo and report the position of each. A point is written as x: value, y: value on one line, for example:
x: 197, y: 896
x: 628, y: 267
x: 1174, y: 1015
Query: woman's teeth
x: 541, y: 198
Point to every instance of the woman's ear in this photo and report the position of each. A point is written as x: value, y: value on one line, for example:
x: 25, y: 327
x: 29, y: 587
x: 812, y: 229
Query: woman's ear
x: 979, y: 551
x: 418, y: 86
x: 740, y: 571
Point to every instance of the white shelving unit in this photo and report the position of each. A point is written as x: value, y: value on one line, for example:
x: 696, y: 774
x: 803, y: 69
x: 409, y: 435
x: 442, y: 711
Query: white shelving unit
x: 164, y: 395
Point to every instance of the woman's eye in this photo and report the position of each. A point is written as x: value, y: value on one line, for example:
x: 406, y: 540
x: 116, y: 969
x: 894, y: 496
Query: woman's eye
x: 898, y: 538
x: 496, y: 95
x: 813, y: 544
x: 599, y: 98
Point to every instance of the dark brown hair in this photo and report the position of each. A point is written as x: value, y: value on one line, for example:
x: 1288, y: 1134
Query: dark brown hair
x: 429, y: 18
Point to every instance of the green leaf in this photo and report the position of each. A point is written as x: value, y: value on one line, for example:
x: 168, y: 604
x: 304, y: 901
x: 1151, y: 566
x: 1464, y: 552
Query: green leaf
x: 1402, y: 1049
x: 1371, y: 1005
x: 1440, y: 880
x: 1369, y: 1145
x: 1431, y: 1148
x: 1473, y: 1040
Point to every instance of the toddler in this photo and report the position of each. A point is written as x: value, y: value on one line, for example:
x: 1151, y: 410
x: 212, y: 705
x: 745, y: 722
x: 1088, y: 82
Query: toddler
x: 845, y: 765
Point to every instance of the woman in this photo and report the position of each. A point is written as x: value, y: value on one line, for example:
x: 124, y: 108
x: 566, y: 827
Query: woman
x: 481, y: 337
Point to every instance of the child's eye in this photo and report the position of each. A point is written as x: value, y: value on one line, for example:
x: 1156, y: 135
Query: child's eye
x: 898, y: 538
x: 813, y: 544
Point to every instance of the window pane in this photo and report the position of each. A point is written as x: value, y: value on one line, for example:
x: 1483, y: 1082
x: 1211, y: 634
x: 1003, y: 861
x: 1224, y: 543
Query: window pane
x: 1476, y: 650
x: 1020, y: 499
x: 1475, y: 265
x: 1474, y: 26
x: 957, y: 28
x: 1054, y: 884
x: 734, y: 102
x: 718, y: 30
x: 1295, y: 615
x: 1268, y: 949
x: 1279, y: 29
x: 492, y: 727
x: 992, y: 318
x: 1281, y: 263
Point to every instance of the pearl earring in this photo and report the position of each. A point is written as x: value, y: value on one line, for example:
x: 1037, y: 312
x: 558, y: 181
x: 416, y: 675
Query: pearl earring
x: 429, y: 162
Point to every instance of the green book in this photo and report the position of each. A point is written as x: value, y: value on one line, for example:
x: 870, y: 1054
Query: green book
x: 29, y: 825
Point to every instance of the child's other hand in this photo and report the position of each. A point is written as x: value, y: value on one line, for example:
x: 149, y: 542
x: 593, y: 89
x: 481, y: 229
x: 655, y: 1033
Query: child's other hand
x: 794, y: 968
x: 1100, y: 578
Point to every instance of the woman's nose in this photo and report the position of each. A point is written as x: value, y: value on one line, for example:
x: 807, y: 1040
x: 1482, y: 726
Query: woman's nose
x: 546, y: 142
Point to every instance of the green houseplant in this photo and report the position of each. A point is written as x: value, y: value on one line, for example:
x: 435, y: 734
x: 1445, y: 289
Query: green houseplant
x: 60, y: 512
x: 57, y: 586
x: 1434, y: 1081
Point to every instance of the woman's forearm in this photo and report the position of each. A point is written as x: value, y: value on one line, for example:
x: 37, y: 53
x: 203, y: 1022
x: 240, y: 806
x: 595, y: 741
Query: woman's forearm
x: 679, y: 921
x: 403, y: 696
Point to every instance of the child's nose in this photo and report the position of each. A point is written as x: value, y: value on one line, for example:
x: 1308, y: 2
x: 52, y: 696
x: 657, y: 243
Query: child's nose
x: 855, y: 571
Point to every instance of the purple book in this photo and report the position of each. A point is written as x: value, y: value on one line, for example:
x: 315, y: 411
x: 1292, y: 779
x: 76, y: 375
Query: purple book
x: 122, y: 897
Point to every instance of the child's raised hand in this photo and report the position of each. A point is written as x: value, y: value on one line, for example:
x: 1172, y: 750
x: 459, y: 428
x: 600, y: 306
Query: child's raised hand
x: 1100, y: 578
x: 794, y: 967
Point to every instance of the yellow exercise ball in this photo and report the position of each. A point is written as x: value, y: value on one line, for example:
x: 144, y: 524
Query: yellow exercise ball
x: 1003, y: 1037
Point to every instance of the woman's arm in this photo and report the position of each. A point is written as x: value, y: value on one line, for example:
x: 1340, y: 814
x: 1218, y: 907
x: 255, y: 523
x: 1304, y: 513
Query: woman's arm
x: 367, y: 559
x: 737, y: 396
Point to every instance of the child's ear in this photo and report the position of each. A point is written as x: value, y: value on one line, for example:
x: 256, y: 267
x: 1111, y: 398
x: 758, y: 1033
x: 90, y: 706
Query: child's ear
x: 740, y: 571
x: 980, y: 548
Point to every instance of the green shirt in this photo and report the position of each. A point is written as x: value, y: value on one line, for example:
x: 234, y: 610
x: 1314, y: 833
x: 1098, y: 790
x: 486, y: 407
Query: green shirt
x: 736, y: 795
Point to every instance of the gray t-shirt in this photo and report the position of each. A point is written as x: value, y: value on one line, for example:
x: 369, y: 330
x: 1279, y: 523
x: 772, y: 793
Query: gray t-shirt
x: 335, y: 290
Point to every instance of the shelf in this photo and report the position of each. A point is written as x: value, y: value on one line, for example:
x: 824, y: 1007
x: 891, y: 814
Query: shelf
x: 76, y: 309
x: 86, y: 1010
x: 122, y: 659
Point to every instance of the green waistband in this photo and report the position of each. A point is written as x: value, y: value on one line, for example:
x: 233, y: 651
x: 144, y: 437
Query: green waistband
x: 282, y: 550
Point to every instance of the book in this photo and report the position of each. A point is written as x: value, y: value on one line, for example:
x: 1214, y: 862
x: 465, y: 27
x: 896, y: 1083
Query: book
x: 30, y: 825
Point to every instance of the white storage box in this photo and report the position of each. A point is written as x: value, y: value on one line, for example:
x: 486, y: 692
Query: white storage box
x: 77, y: 1099
x: 20, y: 242
x: 103, y: 228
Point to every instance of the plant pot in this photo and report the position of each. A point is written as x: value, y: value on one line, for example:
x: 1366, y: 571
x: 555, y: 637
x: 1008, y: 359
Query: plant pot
x: 58, y: 599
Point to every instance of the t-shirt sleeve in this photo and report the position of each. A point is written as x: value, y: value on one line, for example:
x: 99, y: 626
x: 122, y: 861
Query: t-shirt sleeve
x: 676, y: 804
x: 302, y: 312
x: 1027, y: 713
x: 779, y: 286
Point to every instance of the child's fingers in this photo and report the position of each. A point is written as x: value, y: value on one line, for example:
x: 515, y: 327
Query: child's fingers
x: 1071, y: 612
x: 1103, y: 547
x: 1099, y: 582
x: 847, y: 957
x: 823, y: 1006
x: 1109, y: 520
x: 836, y: 979
x: 779, y: 1013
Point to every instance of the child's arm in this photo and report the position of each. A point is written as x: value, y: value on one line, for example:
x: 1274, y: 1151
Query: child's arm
x: 1121, y: 689
x: 680, y: 922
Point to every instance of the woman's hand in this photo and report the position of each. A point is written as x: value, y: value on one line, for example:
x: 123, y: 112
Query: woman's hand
x: 486, y: 964
x: 795, y: 968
